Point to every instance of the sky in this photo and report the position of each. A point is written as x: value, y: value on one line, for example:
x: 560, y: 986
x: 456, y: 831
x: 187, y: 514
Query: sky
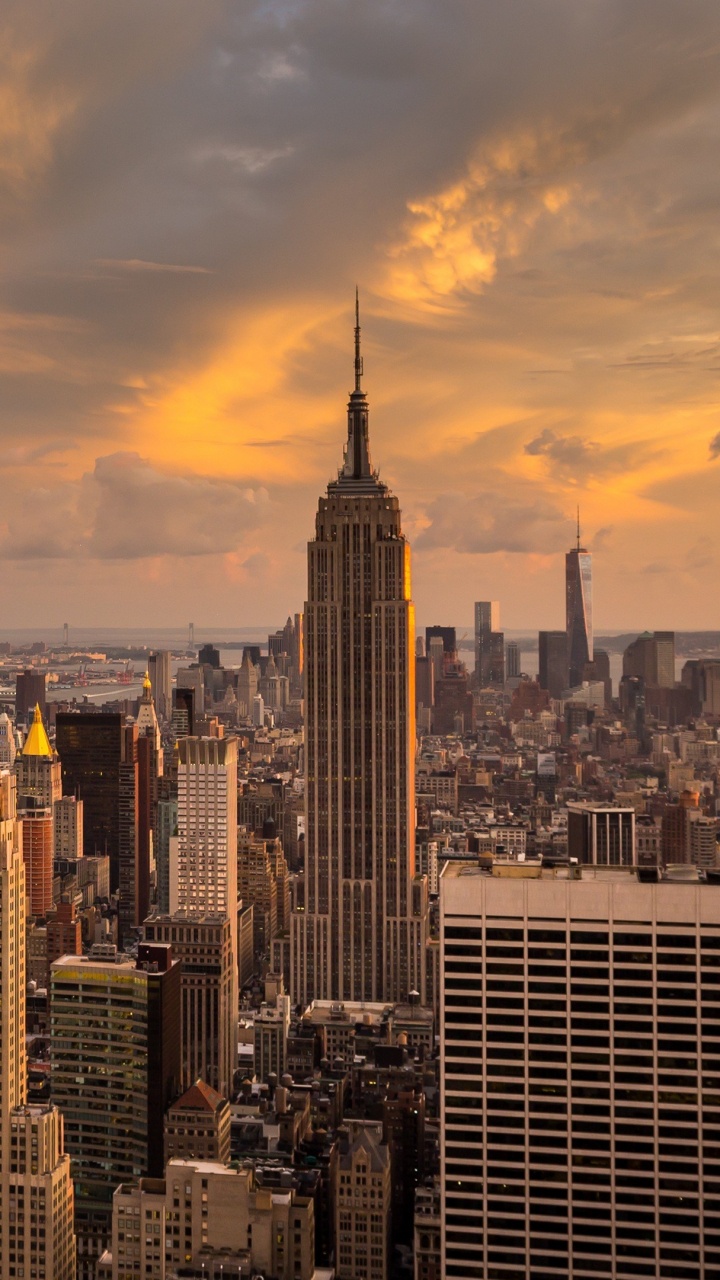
x: 527, y: 195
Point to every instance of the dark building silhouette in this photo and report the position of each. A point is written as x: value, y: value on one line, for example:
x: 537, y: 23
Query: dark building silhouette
x: 183, y: 715
x: 448, y: 637
x: 487, y: 623
x: 128, y: 833
x: 652, y: 658
x: 497, y: 657
x: 424, y: 682
x: 164, y: 1043
x: 553, y: 665
x: 30, y: 689
x: 209, y: 656
x: 578, y: 601
x: 90, y: 746
x: 599, y: 669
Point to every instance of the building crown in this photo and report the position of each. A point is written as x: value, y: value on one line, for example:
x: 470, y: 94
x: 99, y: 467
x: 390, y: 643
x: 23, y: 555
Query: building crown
x: 37, y: 742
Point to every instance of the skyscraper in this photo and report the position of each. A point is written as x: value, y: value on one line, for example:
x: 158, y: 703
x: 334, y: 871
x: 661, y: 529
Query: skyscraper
x: 160, y: 673
x: 203, y: 861
x: 90, y: 746
x: 578, y: 603
x: 115, y: 1049
x: 39, y: 782
x: 487, y: 620
x: 553, y: 662
x: 36, y: 1191
x: 30, y: 691
x: 203, y: 900
x: 361, y: 934
x: 513, y: 659
x: 580, y: 1055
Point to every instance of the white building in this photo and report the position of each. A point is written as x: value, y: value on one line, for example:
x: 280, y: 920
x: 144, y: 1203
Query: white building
x: 68, y: 828
x: 577, y: 1132
x: 203, y: 855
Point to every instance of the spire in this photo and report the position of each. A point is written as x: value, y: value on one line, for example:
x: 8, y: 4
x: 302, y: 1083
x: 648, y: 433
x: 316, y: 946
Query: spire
x: 358, y: 357
x: 147, y: 688
x: 357, y: 470
x: 578, y: 527
x: 37, y: 742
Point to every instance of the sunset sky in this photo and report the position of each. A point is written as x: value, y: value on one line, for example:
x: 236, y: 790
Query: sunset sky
x: 527, y: 193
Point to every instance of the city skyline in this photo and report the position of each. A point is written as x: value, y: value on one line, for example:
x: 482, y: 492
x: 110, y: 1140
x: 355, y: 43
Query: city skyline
x: 526, y: 196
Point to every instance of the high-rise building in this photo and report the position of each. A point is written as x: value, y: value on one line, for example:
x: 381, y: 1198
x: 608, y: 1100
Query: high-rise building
x: 601, y: 835
x: 90, y: 746
x: 209, y: 656
x: 115, y: 1050
x: 128, y: 835
x: 160, y: 673
x: 165, y: 828
x: 64, y: 933
x: 652, y: 658
x: 578, y: 606
x: 149, y: 772
x: 271, y: 1027
x: 36, y: 1190
x: 487, y: 620
x: 68, y: 828
x: 513, y: 659
x: 203, y: 856
x: 208, y: 1011
x: 362, y: 932
x: 193, y: 677
x: 579, y: 1135
x: 264, y: 884
x: 30, y: 691
x: 363, y: 1199
x: 39, y: 782
x: 247, y: 686
x: 37, y: 848
x: 553, y: 662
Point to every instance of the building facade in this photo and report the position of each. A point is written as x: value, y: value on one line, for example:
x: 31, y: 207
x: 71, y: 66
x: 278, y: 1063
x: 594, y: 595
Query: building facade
x: 579, y: 1137
x: 487, y: 621
x: 362, y: 1213
x: 208, y: 1014
x: 553, y: 662
x: 359, y: 935
x: 115, y: 1051
x: 36, y: 1190
x: 90, y: 746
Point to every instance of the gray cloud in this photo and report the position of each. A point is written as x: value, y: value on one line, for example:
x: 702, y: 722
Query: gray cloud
x: 715, y: 447
x: 570, y: 451
x: 127, y: 509
x: 489, y: 522
x: 171, y: 172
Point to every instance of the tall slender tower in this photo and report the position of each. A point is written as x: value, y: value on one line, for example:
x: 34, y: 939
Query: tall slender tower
x: 361, y: 935
x: 578, y: 602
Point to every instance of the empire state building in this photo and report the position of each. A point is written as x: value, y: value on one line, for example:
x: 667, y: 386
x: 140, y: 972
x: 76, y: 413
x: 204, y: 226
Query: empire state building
x: 361, y: 932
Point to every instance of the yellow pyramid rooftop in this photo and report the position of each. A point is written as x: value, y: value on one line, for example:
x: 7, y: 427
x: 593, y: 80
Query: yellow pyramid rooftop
x: 37, y: 742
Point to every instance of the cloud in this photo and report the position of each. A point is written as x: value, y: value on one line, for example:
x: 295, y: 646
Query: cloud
x: 527, y: 194
x: 126, y: 509
x: 138, y: 264
x: 489, y: 522
x: 570, y: 451
x: 715, y: 447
